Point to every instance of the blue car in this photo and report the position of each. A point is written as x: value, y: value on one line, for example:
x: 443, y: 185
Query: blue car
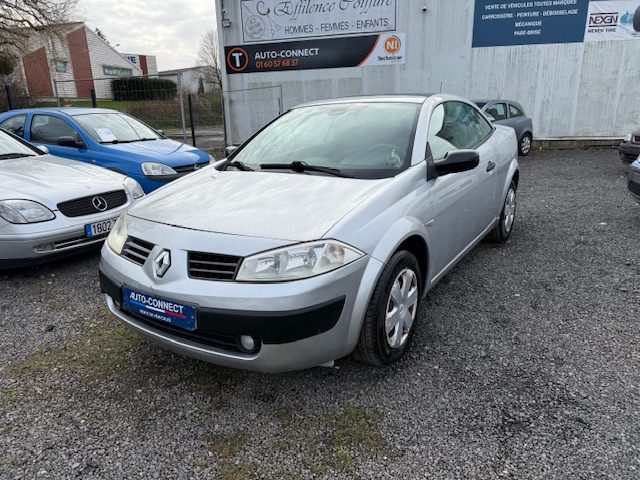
x: 107, y: 138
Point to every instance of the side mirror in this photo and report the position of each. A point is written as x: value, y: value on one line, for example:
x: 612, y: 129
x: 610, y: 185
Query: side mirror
x: 70, y: 142
x: 457, y: 161
x: 230, y: 149
x: 43, y: 149
x: 491, y: 118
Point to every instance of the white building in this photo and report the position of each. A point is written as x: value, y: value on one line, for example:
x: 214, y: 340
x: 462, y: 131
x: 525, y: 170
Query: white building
x: 72, y: 61
x: 569, y: 63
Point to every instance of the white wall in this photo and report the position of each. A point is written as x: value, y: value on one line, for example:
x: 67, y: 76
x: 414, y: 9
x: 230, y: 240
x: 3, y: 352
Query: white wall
x: 102, y: 54
x: 580, y: 89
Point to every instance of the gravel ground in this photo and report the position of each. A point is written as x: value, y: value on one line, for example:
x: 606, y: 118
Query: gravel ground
x: 525, y: 365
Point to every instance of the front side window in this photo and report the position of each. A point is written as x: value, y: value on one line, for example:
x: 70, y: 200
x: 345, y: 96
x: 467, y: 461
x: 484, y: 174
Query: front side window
x: 15, y: 125
x: 365, y: 140
x: 49, y: 129
x: 456, y: 126
x: 515, y: 111
x: 498, y: 111
x: 115, y: 128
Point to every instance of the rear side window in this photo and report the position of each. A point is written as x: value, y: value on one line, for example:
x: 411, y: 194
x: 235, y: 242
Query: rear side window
x: 498, y: 111
x: 515, y: 111
x: 15, y: 125
x: 48, y: 129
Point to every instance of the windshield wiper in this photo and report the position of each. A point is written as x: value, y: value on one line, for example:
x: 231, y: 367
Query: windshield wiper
x: 301, y: 167
x: 15, y: 155
x: 114, y: 142
x: 240, y: 166
x: 144, y: 139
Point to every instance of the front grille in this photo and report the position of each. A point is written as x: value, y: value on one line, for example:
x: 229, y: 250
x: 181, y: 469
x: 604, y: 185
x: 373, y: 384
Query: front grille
x: 634, y: 188
x: 78, y: 241
x: 189, y: 168
x: 86, y: 205
x: 212, y: 266
x: 136, y: 250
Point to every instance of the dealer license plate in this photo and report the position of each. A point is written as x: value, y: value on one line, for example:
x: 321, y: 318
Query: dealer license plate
x: 99, y: 228
x: 163, y: 310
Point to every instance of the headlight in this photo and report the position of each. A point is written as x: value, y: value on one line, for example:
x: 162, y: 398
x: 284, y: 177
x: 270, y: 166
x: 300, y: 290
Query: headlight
x: 627, y: 138
x: 297, y: 262
x: 24, y: 211
x: 212, y: 159
x: 133, y: 187
x: 152, y: 169
x: 118, y: 235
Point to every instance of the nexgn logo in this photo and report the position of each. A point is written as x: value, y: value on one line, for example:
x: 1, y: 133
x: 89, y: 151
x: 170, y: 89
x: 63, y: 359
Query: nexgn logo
x: 603, y: 19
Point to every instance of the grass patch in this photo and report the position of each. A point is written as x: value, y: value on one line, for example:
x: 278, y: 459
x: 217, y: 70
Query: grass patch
x: 241, y: 471
x: 228, y: 445
x: 332, y: 442
x: 100, y: 353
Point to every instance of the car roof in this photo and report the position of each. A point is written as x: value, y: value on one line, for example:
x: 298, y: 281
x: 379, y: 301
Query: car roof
x: 399, y: 98
x: 70, y: 111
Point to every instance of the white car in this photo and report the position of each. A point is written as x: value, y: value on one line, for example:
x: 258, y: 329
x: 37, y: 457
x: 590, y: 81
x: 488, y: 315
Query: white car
x: 318, y: 236
x: 51, y: 207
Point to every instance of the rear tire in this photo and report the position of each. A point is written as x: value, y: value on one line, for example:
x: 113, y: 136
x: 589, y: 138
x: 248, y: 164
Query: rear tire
x: 502, y: 231
x: 524, y: 146
x: 391, y: 317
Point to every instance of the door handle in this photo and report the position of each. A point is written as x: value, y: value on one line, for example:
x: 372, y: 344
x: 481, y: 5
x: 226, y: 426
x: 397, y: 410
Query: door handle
x: 490, y: 166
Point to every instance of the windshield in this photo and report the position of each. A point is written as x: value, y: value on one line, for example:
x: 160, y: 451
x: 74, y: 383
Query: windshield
x: 364, y: 140
x: 115, y: 128
x: 12, y: 148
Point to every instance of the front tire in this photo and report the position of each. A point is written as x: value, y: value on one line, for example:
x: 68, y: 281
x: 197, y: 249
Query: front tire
x: 524, y: 146
x: 502, y: 231
x: 391, y: 317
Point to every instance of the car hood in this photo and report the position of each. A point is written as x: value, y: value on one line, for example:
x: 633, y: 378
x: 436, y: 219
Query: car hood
x: 165, y: 150
x: 256, y: 204
x: 51, y: 180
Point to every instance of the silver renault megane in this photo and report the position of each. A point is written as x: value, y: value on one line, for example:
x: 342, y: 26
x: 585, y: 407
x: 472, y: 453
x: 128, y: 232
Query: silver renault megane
x: 51, y: 207
x: 318, y: 237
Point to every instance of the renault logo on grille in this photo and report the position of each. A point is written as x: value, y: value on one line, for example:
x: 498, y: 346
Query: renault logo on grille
x: 100, y: 204
x: 162, y: 263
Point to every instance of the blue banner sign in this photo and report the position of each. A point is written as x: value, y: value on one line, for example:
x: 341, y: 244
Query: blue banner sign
x: 501, y: 23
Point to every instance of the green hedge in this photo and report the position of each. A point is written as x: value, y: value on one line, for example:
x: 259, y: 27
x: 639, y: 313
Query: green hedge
x: 143, y: 88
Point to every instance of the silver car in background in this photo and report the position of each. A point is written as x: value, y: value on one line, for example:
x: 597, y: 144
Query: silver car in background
x: 316, y: 238
x: 510, y: 114
x: 51, y: 207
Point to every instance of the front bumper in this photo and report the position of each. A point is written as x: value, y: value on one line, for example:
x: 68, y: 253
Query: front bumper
x: 633, y: 183
x: 297, y: 325
x: 629, y: 152
x: 40, y: 243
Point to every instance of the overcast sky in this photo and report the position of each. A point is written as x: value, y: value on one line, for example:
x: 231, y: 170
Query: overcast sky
x: 169, y: 29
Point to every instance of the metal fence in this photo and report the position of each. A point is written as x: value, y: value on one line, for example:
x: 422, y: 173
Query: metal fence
x: 194, y: 118
x: 259, y: 106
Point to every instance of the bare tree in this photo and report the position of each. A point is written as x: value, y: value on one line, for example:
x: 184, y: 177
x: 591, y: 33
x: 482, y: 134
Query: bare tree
x: 19, y: 19
x: 209, y: 59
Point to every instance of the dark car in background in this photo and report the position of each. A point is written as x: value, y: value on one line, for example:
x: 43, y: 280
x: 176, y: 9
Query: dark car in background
x: 634, y: 180
x: 511, y: 114
x: 630, y: 147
